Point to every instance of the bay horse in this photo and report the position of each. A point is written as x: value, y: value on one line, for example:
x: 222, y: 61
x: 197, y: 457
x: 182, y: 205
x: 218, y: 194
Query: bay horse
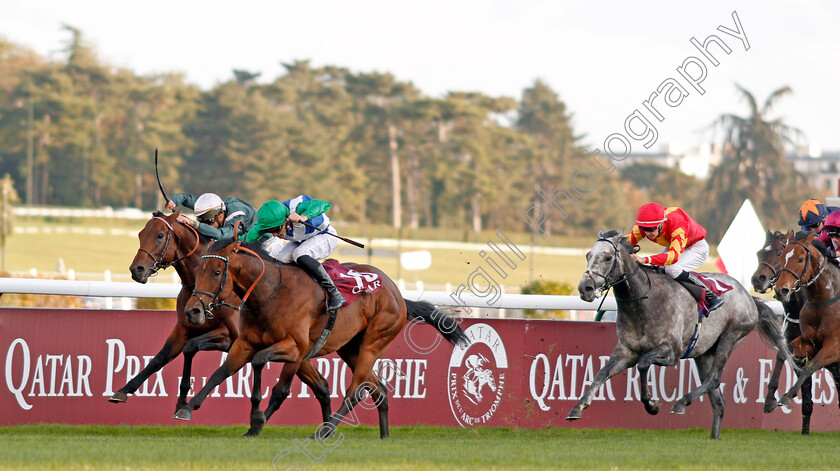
x: 764, y: 279
x: 285, y: 317
x: 804, y: 266
x: 656, y: 322
x: 165, y: 242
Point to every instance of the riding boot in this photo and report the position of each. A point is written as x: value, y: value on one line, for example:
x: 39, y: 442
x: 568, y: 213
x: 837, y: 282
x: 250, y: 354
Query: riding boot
x: 696, y: 288
x: 316, y: 270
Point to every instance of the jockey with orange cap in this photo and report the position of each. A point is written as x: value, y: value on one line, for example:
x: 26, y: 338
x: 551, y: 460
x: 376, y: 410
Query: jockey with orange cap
x: 812, y: 215
x: 215, y: 218
x: 685, y: 247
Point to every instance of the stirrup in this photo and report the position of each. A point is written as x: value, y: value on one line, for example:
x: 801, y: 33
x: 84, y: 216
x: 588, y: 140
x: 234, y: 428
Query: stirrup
x: 716, y: 302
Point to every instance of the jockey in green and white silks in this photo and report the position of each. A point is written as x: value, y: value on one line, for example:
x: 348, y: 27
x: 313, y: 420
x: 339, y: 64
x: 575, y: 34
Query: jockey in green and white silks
x: 215, y: 218
x: 305, y: 245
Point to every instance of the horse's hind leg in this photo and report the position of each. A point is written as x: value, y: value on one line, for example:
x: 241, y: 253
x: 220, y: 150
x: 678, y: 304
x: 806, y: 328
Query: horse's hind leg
x: 828, y: 354
x: 661, y: 355
x: 379, y: 394
x: 621, y: 359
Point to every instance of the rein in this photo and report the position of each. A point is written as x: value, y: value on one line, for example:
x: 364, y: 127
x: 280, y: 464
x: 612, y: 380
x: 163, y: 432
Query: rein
x: 159, y: 263
x: 607, y: 285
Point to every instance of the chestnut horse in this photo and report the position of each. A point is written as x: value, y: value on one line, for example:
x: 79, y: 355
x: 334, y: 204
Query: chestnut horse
x: 283, y: 317
x: 165, y: 242
x: 764, y: 278
x: 804, y: 266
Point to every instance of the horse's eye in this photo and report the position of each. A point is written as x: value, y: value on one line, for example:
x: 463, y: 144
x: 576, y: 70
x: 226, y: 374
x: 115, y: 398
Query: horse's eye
x: 779, y: 254
x: 217, y: 273
x: 160, y: 236
x: 801, y: 259
x: 608, y: 258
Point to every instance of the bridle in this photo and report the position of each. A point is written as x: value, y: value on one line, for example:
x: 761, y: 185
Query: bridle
x: 215, y: 302
x: 159, y: 263
x: 776, y: 271
x: 607, y: 285
x: 798, y: 285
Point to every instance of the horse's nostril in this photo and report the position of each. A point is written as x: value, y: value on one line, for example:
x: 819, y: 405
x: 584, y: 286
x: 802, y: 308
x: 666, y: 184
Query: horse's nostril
x: 762, y: 278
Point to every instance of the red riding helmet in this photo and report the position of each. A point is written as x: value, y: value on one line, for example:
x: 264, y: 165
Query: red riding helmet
x: 832, y: 221
x: 650, y: 215
x: 811, y: 213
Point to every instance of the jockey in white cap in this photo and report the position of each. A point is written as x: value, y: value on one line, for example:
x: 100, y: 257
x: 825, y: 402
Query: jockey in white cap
x: 215, y: 217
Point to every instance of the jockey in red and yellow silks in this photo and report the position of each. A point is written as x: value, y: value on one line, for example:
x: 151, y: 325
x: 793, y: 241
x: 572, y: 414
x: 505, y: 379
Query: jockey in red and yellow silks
x: 685, y: 247
x: 678, y: 232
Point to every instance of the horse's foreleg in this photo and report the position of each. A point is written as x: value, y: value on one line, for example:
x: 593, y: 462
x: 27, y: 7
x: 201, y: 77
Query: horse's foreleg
x: 283, y: 351
x: 319, y: 386
x: 828, y: 354
x: 240, y: 353
x: 770, y: 403
x: 620, y: 360
x: 171, y: 348
x: 217, y: 339
x: 661, y: 355
x: 807, y: 403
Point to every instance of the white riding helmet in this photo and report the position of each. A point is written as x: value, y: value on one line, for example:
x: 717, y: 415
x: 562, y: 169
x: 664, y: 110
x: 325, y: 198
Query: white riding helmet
x: 208, y: 205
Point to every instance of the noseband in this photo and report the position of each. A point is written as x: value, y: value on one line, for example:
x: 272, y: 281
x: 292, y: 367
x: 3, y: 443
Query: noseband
x: 607, y: 285
x: 799, y: 277
x: 159, y: 263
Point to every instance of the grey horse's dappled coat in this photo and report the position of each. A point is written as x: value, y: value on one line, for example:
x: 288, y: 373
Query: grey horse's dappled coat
x: 656, y: 320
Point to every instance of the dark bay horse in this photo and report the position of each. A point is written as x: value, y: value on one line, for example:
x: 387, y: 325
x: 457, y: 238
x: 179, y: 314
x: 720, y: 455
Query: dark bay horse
x: 656, y: 321
x: 764, y: 278
x: 165, y: 242
x: 285, y: 318
x: 804, y: 266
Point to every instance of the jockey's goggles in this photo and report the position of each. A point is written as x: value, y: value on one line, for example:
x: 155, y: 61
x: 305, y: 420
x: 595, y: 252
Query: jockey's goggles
x: 833, y: 232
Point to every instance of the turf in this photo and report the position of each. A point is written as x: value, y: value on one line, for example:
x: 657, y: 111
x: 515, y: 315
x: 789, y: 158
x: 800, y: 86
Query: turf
x: 62, y: 447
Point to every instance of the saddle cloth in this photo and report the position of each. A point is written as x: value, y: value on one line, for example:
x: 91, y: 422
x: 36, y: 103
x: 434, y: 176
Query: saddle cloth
x: 351, y: 283
x: 716, y: 286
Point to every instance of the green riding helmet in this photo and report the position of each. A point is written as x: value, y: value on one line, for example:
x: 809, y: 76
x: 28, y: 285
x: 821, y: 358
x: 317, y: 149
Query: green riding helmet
x: 271, y: 214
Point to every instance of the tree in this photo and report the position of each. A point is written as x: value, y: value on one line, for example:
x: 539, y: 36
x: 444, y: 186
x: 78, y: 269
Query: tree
x: 754, y: 166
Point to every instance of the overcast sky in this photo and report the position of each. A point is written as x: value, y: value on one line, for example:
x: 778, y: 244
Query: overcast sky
x: 603, y: 58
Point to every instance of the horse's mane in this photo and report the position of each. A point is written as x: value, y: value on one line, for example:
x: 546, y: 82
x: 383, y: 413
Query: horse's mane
x: 158, y: 214
x: 801, y: 235
x: 623, y: 241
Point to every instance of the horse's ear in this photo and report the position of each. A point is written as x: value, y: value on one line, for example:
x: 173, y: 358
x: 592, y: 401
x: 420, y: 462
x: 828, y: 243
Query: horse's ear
x: 600, y: 233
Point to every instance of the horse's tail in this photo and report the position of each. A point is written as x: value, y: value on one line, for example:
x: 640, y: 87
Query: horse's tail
x: 441, y: 319
x: 771, y: 333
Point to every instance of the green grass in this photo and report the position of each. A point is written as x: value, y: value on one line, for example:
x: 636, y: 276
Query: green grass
x: 62, y: 447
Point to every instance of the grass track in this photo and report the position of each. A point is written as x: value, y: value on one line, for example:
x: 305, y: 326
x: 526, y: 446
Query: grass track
x: 61, y: 447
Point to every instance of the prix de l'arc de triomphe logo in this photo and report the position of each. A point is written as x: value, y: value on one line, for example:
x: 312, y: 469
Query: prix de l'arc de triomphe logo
x: 476, y: 376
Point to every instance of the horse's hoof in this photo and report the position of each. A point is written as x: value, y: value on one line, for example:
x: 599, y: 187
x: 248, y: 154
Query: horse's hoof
x: 118, y: 397
x: 253, y: 432
x: 785, y: 401
x: 652, y: 407
x: 770, y: 407
x: 574, y: 414
x: 257, y: 421
x: 678, y: 409
x: 183, y: 414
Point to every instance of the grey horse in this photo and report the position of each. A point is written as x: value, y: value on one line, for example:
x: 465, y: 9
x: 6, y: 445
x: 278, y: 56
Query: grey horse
x: 656, y: 322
